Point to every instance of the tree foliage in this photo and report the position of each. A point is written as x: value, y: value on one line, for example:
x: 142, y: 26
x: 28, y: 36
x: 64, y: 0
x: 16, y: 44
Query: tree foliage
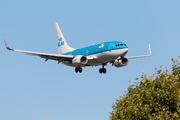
x: 155, y: 97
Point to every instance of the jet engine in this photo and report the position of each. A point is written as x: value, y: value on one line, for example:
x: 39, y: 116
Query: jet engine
x: 79, y: 60
x: 120, y: 62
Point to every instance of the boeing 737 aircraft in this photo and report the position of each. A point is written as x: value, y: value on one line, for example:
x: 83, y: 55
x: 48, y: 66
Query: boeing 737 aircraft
x: 100, y: 54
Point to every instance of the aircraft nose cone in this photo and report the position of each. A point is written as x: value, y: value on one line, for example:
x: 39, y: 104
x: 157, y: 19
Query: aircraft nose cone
x: 126, y: 50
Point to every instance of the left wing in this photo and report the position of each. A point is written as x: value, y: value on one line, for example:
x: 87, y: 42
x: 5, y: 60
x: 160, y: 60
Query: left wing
x: 47, y: 56
x: 150, y: 54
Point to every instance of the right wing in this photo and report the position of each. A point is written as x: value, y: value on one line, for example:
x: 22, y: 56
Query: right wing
x: 150, y: 54
x: 47, y: 56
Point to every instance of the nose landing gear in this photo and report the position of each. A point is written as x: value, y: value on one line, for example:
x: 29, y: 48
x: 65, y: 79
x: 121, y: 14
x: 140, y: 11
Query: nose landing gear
x: 78, y: 69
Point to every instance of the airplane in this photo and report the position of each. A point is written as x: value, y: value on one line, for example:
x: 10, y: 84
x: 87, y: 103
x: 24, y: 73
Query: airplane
x: 100, y: 54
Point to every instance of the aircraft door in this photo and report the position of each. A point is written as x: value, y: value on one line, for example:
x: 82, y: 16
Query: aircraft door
x: 110, y: 47
x: 86, y: 52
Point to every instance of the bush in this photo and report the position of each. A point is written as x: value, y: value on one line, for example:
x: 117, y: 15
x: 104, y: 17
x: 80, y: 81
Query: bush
x: 155, y: 97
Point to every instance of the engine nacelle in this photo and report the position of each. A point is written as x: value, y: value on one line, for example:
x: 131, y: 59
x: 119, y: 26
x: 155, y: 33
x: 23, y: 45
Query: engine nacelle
x: 79, y: 60
x: 120, y: 62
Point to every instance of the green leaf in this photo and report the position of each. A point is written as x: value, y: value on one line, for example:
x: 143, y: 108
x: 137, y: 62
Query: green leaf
x: 156, y: 97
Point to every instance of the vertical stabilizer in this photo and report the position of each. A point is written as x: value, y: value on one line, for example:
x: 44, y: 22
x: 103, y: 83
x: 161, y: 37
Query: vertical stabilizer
x: 61, y: 41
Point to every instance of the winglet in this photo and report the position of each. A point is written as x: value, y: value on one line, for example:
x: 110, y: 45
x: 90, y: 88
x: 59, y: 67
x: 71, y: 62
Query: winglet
x: 150, y: 52
x: 7, y: 45
x: 142, y: 56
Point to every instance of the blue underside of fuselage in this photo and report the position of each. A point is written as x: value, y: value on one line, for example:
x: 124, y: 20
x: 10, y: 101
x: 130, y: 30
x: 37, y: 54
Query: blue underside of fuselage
x: 94, y: 49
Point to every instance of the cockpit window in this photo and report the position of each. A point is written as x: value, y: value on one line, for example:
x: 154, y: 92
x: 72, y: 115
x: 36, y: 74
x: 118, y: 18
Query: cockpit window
x: 120, y: 44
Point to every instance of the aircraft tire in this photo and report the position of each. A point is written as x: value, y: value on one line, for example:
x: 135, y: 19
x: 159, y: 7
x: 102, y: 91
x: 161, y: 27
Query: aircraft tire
x: 100, y: 70
x: 104, y: 71
x: 80, y: 70
x: 76, y: 69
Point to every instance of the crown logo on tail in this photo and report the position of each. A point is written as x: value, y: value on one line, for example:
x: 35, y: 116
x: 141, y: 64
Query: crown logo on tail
x: 60, y: 43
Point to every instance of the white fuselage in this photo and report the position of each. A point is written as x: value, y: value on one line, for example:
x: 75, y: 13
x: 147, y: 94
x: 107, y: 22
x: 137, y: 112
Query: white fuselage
x: 101, y: 57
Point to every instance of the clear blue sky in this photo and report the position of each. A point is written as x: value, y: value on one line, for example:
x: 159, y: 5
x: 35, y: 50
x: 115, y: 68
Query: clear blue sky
x: 31, y: 89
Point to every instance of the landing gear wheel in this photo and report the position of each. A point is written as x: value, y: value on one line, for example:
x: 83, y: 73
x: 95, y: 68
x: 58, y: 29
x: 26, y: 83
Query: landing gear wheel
x: 100, y: 70
x: 80, y: 70
x: 104, y: 70
x: 76, y: 69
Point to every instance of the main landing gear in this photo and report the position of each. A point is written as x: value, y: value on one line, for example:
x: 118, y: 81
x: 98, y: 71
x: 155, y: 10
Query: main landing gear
x: 102, y: 70
x: 78, y: 69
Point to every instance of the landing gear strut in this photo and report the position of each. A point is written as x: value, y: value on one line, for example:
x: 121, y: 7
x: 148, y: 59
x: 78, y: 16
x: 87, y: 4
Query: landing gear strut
x: 102, y: 70
x: 78, y: 69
